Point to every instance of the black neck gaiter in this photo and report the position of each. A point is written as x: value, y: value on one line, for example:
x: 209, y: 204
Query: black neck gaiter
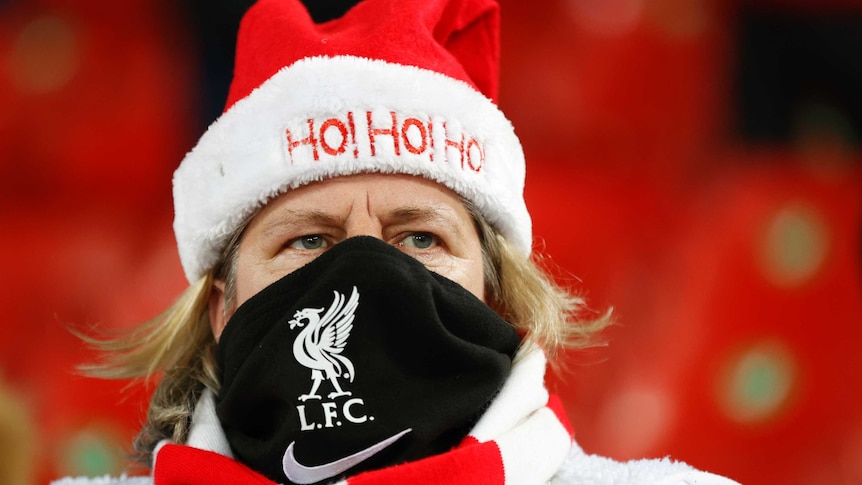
x: 359, y: 360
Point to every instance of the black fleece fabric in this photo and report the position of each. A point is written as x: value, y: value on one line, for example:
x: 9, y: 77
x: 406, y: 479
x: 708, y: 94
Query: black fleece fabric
x: 418, y: 353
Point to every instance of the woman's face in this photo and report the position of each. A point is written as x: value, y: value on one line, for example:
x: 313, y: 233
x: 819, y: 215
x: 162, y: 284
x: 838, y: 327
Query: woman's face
x: 421, y: 218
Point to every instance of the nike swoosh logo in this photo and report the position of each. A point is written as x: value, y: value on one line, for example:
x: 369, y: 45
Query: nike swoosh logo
x: 299, y: 473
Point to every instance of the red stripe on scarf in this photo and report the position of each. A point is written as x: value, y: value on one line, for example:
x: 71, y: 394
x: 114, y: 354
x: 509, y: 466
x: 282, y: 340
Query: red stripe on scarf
x: 184, y: 465
x: 471, y: 462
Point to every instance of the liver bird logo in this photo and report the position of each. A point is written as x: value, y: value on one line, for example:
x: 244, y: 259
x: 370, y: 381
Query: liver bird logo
x: 321, y: 341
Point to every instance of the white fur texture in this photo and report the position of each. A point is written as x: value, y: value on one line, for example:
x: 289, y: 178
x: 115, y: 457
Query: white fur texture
x: 583, y: 469
x: 242, y: 161
x: 106, y: 480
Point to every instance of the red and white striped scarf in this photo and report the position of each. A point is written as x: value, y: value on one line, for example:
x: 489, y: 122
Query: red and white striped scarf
x: 523, y: 438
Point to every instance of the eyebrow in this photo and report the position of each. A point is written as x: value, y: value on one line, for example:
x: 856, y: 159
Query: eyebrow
x: 294, y: 217
x: 402, y: 215
x: 444, y: 215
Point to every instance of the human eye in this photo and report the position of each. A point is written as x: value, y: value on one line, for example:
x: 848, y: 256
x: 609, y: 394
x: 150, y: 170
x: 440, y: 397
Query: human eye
x: 309, y: 242
x: 419, y: 240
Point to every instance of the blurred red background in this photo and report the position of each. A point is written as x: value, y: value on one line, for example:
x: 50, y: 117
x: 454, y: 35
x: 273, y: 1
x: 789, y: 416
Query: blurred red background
x: 694, y: 164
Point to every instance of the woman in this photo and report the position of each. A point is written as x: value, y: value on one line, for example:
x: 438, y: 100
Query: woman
x: 363, y: 306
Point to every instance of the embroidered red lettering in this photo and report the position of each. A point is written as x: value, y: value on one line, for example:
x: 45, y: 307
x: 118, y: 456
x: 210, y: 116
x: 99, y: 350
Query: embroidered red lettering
x: 336, y: 136
x: 473, y: 147
x: 342, y: 131
x: 309, y: 140
x: 458, y: 145
x: 431, y: 139
x: 352, y: 126
x: 421, y: 135
x: 392, y: 132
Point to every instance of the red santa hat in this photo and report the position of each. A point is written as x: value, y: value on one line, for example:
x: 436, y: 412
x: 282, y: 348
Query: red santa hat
x: 393, y: 86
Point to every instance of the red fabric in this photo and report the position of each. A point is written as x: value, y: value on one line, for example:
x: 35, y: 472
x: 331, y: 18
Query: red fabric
x: 458, y: 38
x: 472, y: 462
x: 184, y: 465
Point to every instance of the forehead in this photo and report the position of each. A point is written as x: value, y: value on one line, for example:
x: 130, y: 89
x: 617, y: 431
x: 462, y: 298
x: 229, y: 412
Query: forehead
x: 384, y: 196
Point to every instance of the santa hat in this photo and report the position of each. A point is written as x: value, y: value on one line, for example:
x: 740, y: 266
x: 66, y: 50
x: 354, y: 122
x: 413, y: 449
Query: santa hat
x: 393, y: 86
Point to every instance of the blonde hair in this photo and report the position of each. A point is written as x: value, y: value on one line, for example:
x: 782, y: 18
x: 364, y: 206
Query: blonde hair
x: 525, y: 295
x: 178, y: 344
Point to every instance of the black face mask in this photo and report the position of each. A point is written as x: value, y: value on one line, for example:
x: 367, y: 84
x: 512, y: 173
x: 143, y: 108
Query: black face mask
x: 359, y: 360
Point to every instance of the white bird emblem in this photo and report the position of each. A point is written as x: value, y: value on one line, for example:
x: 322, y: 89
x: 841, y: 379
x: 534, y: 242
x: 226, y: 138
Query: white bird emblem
x: 321, y: 341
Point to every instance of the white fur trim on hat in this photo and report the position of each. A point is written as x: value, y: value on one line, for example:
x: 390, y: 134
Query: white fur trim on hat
x: 326, y: 117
